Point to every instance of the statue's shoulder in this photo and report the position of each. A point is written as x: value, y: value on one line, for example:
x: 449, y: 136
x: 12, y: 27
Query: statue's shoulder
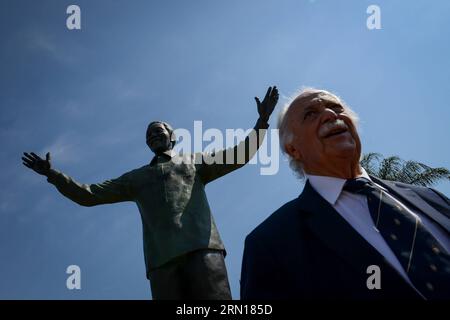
x: 138, y: 171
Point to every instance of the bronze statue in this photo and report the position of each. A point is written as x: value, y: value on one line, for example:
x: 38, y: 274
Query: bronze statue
x: 184, y: 254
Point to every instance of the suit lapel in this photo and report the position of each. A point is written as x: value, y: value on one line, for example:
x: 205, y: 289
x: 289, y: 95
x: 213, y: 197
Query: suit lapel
x: 335, y: 232
x: 341, y: 238
x: 415, y: 201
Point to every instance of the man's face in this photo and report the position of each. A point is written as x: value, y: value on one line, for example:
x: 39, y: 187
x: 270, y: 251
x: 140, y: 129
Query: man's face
x: 158, y: 138
x: 323, y: 132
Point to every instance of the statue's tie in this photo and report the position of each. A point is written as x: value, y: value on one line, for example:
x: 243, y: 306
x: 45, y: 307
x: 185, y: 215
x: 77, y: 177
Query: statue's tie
x: 424, y: 259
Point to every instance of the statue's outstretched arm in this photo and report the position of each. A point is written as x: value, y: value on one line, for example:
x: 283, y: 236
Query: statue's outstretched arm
x: 109, y: 191
x: 217, y: 164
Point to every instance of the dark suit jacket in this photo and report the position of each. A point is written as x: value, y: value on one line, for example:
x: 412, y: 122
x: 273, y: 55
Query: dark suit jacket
x: 305, y: 249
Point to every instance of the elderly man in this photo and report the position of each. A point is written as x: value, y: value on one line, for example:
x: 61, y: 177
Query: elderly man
x: 348, y: 235
x: 184, y: 255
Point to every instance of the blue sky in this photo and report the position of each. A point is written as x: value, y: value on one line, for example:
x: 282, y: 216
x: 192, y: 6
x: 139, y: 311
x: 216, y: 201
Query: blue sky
x: 87, y: 96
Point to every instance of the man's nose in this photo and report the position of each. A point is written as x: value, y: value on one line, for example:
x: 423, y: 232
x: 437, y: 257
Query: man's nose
x: 328, y: 115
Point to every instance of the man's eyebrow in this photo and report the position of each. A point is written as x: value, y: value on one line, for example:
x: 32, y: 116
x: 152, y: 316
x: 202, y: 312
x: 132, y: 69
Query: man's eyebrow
x: 308, y: 108
x: 333, y: 104
x: 325, y: 104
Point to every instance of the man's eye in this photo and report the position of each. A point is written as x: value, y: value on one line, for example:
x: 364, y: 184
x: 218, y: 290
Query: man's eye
x: 336, y: 108
x: 309, y: 114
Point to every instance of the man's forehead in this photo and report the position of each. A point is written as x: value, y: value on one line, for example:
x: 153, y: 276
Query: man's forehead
x: 319, y: 98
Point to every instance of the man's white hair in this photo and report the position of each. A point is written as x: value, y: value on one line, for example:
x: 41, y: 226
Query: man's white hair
x: 285, y: 131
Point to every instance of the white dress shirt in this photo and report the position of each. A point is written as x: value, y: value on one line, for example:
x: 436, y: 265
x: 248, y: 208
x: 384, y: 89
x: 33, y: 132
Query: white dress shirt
x: 354, y: 209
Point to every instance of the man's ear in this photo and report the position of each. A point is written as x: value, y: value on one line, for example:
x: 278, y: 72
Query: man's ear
x: 293, y: 152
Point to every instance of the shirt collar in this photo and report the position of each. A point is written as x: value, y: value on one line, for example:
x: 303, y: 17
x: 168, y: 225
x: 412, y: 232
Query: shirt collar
x: 330, y: 188
x: 163, y: 157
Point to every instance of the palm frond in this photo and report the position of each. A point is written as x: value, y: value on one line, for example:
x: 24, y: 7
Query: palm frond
x: 395, y: 169
x: 410, y: 170
x: 430, y: 176
x: 390, y: 168
x: 369, y: 161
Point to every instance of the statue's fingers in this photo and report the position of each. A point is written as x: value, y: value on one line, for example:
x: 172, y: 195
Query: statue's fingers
x: 27, y: 165
x: 29, y: 157
x: 35, y: 156
x: 268, y: 92
x: 27, y: 161
x: 257, y: 101
x: 274, y: 91
x: 47, y: 156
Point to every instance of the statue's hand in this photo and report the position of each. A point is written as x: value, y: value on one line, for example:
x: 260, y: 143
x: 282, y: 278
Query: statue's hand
x: 265, y: 108
x: 36, y: 163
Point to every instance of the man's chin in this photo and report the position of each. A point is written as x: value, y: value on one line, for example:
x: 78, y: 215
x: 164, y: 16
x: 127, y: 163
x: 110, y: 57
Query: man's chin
x: 344, y: 150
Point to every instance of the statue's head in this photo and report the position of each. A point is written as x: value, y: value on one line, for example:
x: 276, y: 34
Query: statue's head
x: 160, y: 137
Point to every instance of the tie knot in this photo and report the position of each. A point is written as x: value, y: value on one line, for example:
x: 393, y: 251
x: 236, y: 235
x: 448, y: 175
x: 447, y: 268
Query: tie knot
x: 358, y: 185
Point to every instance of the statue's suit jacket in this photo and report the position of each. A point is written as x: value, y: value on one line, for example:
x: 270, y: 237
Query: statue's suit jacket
x: 305, y: 249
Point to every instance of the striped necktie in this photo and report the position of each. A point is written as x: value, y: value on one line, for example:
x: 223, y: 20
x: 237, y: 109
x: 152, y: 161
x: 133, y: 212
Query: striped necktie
x: 424, y: 259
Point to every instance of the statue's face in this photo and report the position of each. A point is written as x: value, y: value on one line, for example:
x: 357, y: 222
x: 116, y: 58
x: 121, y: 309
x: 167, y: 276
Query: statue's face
x: 158, y: 138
